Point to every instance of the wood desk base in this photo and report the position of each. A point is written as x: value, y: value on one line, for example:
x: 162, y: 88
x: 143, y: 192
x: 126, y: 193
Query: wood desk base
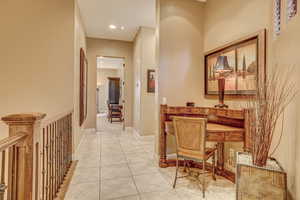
x: 226, y: 126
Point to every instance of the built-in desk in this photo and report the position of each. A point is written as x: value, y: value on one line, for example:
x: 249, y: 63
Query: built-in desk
x: 224, y: 125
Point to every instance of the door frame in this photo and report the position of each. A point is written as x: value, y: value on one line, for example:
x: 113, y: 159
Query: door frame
x: 123, y: 85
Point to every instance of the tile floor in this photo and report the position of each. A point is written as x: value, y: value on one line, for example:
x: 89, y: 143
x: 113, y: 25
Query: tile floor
x: 118, y: 165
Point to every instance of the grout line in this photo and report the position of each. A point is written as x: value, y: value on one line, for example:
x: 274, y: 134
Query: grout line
x: 132, y: 177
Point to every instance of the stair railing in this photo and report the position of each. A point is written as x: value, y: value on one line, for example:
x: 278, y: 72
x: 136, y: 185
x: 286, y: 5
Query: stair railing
x: 35, y: 157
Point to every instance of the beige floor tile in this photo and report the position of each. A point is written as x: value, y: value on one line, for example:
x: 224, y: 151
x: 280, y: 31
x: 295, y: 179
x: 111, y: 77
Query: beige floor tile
x: 151, y: 183
x: 135, y: 197
x: 111, y: 149
x: 113, y: 159
x: 85, y: 175
x: 117, y: 188
x: 119, y: 165
x: 83, y: 191
x: 87, y: 162
x: 115, y: 171
x: 87, y: 155
x: 143, y: 168
x: 138, y: 157
x: 134, y: 149
x: 165, y: 195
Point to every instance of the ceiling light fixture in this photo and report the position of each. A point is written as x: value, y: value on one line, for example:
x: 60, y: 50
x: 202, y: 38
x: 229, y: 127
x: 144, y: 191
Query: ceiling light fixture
x: 112, y: 26
x: 122, y: 27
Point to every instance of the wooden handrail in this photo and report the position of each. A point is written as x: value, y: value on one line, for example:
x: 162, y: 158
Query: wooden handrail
x: 56, y: 117
x: 11, y: 141
x: 38, y: 154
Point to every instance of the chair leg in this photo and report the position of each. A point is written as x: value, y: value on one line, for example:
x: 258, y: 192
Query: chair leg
x: 203, y: 179
x: 176, y: 174
x: 214, y: 166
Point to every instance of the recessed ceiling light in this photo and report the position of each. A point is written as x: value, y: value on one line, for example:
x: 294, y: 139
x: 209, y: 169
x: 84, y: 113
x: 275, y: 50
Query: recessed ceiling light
x: 122, y: 27
x: 112, y: 26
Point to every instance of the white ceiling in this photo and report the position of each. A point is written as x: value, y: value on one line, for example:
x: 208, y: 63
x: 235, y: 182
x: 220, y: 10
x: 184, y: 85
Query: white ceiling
x: 99, y: 14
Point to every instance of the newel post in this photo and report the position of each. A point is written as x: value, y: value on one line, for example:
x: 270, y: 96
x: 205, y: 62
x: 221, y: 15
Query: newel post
x: 21, y: 159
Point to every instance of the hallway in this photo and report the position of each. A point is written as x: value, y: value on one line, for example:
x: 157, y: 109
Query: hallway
x: 118, y: 165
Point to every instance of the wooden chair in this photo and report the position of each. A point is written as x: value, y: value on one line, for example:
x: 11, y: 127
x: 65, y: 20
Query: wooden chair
x: 115, y: 112
x: 190, y: 134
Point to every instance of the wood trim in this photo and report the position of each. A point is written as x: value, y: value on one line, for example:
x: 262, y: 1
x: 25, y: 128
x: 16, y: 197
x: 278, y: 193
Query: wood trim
x: 83, y: 74
x: 23, y: 118
x: 11, y: 141
x: 113, y: 78
x: 67, y: 181
x: 56, y: 117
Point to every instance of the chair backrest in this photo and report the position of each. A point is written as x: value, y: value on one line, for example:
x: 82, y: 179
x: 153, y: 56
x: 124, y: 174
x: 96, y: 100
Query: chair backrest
x: 190, y: 136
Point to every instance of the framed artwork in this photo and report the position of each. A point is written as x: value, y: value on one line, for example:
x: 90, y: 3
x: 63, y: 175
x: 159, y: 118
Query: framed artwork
x: 83, y: 87
x: 291, y: 8
x: 245, y: 63
x: 151, y: 81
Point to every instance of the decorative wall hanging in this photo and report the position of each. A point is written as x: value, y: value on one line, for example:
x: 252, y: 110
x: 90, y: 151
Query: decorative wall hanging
x: 245, y: 66
x: 83, y: 87
x: 277, y: 17
x: 151, y: 81
x: 291, y: 8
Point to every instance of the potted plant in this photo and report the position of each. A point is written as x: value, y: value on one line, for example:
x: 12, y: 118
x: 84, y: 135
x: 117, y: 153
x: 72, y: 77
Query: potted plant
x: 258, y: 175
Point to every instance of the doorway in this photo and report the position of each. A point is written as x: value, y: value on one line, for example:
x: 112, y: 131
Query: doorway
x: 110, y: 89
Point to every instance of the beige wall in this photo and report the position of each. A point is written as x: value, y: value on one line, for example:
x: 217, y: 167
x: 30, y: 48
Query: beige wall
x: 181, y: 51
x: 285, y: 53
x: 137, y: 65
x: 36, y: 57
x: 144, y: 102
x: 79, y: 42
x: 102, y: 47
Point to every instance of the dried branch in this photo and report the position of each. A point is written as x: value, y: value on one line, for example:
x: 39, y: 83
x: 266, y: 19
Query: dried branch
x: 271, y: 99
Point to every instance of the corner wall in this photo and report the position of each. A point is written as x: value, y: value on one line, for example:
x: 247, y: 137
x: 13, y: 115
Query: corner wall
x: 181, y: 51
x: 103, y: 47
x: 144, y: 102
x: 36, y: 57
x: 80, y: 42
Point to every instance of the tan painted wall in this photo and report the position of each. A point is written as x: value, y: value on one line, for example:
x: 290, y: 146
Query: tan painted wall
x: 285, y: 53
x: 144, y: 102
x: 181, y: 51
x: 80, y: 42
x: 102, y: 47
x: 137, y: 66
x: 36, y: 57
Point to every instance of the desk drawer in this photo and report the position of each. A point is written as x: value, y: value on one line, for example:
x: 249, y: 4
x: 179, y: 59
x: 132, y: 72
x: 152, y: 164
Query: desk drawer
x: 234, y: 137
x: 215, y: 137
